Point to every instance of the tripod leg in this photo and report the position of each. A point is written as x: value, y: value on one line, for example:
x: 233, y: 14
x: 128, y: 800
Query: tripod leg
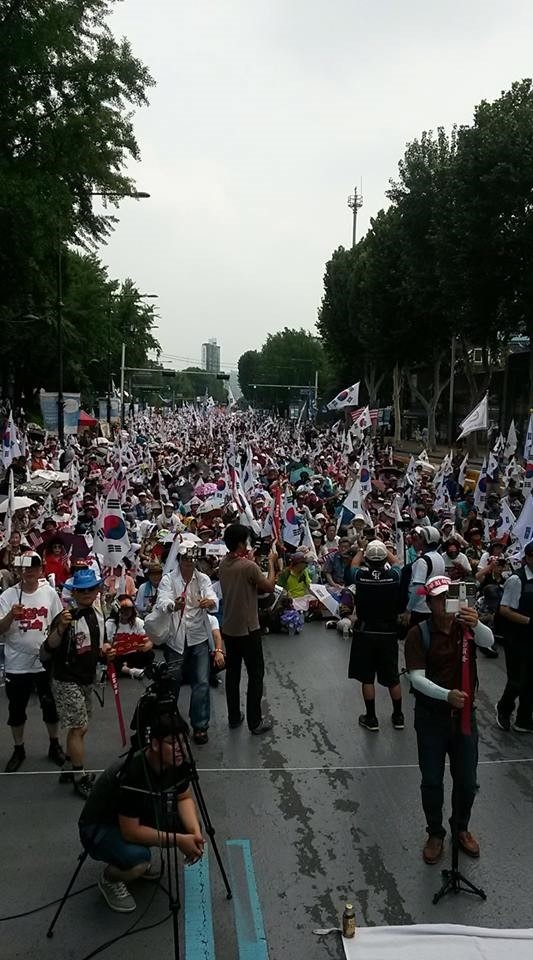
x: 81, y: 860
x: 210, y: 830
x: 469, y: 887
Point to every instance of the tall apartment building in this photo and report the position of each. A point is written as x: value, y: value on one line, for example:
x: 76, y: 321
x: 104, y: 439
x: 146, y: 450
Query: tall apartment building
x: 211, y: 356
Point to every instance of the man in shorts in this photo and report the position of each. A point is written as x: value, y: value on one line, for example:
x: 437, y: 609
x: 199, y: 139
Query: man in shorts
x: 374, y: 649
x: 26, y: 612
x: 76, y: 643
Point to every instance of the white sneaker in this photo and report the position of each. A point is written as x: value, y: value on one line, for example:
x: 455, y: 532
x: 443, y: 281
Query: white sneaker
x: 116, y: 895
x: 136, y: 673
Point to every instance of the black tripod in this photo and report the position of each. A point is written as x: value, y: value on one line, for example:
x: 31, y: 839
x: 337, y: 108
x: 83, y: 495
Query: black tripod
x: 453, y: 880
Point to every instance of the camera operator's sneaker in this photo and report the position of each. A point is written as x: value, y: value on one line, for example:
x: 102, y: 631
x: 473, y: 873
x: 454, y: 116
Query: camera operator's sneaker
x: 369, y: 723
x: 116, y: 895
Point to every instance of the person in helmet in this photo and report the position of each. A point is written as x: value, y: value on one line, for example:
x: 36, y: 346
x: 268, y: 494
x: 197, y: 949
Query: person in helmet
x: 374, y: 651
x: 430, y: 563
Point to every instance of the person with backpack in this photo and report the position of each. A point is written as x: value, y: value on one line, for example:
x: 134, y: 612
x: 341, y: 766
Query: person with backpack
x: 516, y: 617
x: 430, y: 563
x: 374, y: 650
x: 440, y: 657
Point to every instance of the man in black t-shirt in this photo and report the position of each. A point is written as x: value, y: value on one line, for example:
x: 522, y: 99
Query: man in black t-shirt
x: 127, y: 812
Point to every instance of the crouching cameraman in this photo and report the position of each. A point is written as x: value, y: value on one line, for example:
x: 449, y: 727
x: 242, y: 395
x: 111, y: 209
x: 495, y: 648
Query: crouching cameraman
x: 126, y: 813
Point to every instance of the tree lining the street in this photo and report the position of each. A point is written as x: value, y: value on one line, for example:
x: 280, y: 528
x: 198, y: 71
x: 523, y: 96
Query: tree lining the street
x: 451, y: 257
x: 67, y: 89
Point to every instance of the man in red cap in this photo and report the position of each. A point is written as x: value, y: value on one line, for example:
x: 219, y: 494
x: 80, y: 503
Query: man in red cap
x: 440, y: 659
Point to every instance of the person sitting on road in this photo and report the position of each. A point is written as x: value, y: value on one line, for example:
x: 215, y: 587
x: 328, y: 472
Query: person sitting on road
x: 132, y: 649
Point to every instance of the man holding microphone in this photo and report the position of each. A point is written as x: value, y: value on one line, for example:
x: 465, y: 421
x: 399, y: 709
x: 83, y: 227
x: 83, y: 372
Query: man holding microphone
x: 441, y: 662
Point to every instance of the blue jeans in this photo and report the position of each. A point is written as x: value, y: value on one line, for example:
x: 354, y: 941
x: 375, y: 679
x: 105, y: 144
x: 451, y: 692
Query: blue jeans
x: 107, y: 844
x: 192, y: 666
x: 439, y: 733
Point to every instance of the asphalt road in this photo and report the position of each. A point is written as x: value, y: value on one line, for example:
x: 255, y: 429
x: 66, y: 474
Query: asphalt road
x: 324, y: 811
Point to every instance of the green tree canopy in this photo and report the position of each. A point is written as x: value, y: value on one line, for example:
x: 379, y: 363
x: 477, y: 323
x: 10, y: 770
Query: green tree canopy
x: 66, y: 132
x: 291, y: 358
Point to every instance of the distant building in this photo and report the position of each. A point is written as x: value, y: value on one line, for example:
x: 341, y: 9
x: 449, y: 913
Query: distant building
x: 211, y: 356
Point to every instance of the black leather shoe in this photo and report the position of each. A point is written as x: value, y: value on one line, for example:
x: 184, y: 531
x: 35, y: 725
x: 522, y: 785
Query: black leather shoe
x: 56, y: 755
x: 16, y: 760
x: 233, y: 724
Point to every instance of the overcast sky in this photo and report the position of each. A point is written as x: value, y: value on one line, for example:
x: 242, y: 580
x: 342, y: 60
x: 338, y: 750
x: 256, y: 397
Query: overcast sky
x: 264, y: 117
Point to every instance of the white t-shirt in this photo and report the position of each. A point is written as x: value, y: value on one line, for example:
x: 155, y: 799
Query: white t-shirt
x: 122, y: 630
x: 421, y: 573
x: 24, y: 637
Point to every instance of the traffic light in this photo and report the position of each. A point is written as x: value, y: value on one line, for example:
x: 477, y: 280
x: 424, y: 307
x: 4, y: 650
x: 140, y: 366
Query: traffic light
x: 222, y: 376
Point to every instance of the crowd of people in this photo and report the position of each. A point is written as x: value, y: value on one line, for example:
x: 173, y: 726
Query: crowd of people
x: 197, y: 533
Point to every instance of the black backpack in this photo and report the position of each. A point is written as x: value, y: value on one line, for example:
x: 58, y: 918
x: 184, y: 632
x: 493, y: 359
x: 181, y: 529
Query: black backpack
x: 406, y: 576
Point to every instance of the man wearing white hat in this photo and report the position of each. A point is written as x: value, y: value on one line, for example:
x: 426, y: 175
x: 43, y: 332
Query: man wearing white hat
x: 374, y: 651
x: 441, y: 662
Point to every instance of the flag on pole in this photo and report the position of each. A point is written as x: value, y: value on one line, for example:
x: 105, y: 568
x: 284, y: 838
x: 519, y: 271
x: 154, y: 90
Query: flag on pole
x: 499, y: 446
x: 365, y: 476
x: 511, y: 443
x: 307, y: 542
x: 362, y: 417
x: 346, y: 398
x: 10, y: 444
x: 523, y: 528
x: 506, y: 521
x: 231, y: 398
x: 8, y: 522
x: 248, y: 479
x: 111, y: 536
x: 476, y: 420
x: 292, y: 522
x: 353, y: 503
x: 480, y: 493
x: 528, y: 443
x: 163, y: 492
x: 462, y: 471
x: 347, y: 445
x: 398, y: 537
